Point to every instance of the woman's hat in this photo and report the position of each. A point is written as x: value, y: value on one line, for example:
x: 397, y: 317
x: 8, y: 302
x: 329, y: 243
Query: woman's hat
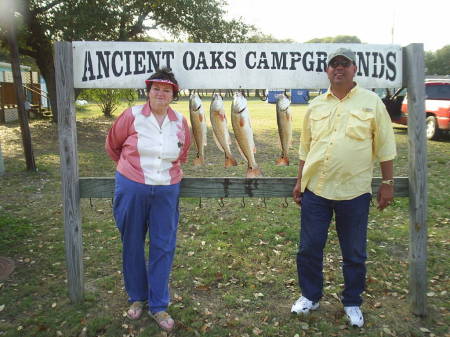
x: 157, y: 80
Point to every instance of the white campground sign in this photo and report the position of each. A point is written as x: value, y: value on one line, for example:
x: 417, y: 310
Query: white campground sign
x: 229, y: 65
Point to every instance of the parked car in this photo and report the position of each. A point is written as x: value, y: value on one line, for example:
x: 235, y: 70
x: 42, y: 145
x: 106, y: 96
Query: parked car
x: 437, y: 107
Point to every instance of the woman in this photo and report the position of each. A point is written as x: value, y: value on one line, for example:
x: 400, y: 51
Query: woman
x: 148, y: 143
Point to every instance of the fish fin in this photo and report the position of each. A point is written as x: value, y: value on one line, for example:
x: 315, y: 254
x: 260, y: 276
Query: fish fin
x: 240, y: 151
x: 217, y: 142
x: 241, y: 122
x: 254, y: 172
x: 227, y: 137
x: 282, y: 161
x: 230, y: 161
x: 199, y: 161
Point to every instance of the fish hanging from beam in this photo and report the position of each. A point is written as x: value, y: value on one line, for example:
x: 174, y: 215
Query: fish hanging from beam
x: 284, y: 121
x: 240, y: 119
x: 220, y: 129
x: 198, y: 124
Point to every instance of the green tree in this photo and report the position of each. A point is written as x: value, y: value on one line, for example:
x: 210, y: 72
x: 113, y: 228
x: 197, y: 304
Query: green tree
x: 47, y: 21
x: 336, y: 39
x: 438, y: 62
x: 259, y: 37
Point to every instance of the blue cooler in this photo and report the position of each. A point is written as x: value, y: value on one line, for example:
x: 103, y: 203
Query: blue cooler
x: 272, y: 95
x: 299, y: 96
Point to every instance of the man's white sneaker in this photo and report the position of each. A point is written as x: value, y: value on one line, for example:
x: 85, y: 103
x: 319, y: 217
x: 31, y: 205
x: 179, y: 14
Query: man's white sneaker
x: 304, y: 306
x: 355, y: 316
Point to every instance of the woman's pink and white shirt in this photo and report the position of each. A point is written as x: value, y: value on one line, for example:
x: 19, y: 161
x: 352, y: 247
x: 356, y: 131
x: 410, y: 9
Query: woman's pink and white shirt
x: 144, y: 151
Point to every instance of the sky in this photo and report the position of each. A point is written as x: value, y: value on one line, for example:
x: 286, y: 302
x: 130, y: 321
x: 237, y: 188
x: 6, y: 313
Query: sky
x: 372, y: 21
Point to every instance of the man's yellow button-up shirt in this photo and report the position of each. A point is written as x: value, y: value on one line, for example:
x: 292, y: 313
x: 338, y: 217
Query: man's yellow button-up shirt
x: 340, y: 142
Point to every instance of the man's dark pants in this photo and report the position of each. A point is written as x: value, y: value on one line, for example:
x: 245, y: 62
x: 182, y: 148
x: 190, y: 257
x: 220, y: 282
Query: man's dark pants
x: 351, y: 226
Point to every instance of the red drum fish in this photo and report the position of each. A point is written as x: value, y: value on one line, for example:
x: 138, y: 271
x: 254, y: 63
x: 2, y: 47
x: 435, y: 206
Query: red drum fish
x: 284, y: 121
x: 240, y: 119
x: 220, y: 129
x: 198, y: 124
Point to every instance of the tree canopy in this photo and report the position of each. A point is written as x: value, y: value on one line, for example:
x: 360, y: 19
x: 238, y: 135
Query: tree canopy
x: 47, y: 21
x: 438, y: 62
x: 336, y: 39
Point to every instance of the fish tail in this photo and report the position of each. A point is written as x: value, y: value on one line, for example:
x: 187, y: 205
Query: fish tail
x: 282, y: 161
x: 199, y: 161
x: 230, y: 161
x: 254, y: 172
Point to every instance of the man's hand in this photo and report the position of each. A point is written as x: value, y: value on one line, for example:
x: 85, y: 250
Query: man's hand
x: 385, y: 196
x: 296, y: 194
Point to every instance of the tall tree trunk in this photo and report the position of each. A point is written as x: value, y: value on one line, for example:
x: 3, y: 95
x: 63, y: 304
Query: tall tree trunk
x: 47, y: 68
x: 23, y: 117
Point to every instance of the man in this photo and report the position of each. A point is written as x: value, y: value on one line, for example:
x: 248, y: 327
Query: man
x: 345, y: 131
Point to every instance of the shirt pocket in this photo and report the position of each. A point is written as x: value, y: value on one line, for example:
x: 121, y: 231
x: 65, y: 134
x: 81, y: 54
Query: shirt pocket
x: 319, y: 124
x: 172, y: 145
x: 359, y: 125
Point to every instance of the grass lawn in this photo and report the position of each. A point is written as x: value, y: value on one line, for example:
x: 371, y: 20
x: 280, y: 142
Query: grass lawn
x: 234, y: 273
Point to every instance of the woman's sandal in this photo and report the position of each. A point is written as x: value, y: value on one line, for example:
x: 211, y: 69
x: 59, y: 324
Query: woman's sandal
x: 136, y: 310
x: 163, y: 320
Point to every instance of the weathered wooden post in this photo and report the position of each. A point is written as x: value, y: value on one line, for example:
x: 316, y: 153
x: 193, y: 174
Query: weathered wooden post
x: 69, y: 169
x: 2, y: 165
x: 414, y: 80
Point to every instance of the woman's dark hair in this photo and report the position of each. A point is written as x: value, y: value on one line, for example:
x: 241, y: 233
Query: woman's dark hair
x: 164, y: 74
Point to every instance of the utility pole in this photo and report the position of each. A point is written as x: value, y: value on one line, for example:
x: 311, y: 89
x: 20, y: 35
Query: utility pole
x: 23, y: 117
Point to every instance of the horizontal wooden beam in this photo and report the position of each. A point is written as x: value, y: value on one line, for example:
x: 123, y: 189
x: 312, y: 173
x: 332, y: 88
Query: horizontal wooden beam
x: 103, y: 187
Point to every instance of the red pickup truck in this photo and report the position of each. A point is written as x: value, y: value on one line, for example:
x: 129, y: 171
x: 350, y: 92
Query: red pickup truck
x: 437, y: 107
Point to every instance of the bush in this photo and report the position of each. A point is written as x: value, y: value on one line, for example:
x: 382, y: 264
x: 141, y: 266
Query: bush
x: 109, y: 99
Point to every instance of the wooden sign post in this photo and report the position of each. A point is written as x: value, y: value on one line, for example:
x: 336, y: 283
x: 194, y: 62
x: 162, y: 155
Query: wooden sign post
x: 73, y: 188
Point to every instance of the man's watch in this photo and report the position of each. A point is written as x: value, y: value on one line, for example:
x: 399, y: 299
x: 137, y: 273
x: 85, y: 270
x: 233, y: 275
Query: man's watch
x: 388, y: 182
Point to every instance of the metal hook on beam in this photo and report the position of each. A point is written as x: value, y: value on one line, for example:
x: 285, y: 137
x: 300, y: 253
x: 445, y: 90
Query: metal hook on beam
x: 243, y: 202
x: 285, y: 203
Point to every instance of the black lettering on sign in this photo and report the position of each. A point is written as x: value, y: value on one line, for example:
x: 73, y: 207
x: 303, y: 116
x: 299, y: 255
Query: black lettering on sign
x: 390, y: 65
x: 295, y: 57
x: 363, y: 63
x: 201, y: 63
x: 153, y: 60
x: 263, y: 64
x: 88, y: 67
x: 116, y: 73
x: 168, y: 56
x: 374, y: 66
x: 279, y: 60
x: 188, y: 57
x: 102, y: 63
x: 139, y: 57
x: 247, y: 60
x: 216, y: 63
x: 308, y: 65
x: 230, y: 57
x: 381, y: 73
x: 127, y: 62
x: 321, y: 61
